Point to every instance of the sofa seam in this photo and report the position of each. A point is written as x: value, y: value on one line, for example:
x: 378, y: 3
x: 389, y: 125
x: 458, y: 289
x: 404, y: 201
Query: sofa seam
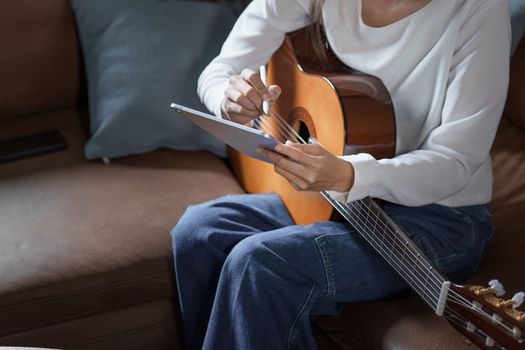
x: 116, y: 335
x: 114, y: 285
x: 82, y: 315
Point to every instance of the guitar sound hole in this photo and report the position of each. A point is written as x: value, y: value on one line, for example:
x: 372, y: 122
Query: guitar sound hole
x: 303, y: 131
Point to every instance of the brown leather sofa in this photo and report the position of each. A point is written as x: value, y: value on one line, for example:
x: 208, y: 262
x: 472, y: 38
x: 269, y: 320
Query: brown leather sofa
x: 85, y: 251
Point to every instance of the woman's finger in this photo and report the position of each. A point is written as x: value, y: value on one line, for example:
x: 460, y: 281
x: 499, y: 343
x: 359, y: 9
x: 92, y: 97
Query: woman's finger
x: 254, y: 79
x: 231, y: 107
x: 282, y: 162
x: 239, y: 118
x: 297, y: 183
x: 293, y: 153
x: 314, y: 149
x: 235, y: 93
x: 274, y: 91
x: 249, y: 92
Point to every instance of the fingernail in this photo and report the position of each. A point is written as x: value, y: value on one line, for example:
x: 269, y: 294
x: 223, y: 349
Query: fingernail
x: 279, y: 148
x: 288, y: 142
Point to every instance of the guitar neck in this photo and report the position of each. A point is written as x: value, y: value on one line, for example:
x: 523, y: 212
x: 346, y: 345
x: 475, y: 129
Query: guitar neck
x: 394, y: 246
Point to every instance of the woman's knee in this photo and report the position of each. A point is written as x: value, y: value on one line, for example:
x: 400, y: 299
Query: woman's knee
x: 251, y: 255
x: 199, y: 221
x: 190, y: 228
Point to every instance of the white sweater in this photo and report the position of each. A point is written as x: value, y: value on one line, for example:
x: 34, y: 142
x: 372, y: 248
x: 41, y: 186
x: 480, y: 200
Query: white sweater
x: 446, y: 67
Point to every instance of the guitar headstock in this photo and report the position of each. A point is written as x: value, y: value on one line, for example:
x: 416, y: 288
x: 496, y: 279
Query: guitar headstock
x: 486, y: 319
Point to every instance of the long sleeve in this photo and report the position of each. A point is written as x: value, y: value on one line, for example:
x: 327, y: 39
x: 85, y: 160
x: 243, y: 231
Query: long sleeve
x: 256, y: 35
x: 452, y: 153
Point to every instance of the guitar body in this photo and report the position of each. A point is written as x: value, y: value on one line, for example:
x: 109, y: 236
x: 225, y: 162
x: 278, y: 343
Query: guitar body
x: 344, y: 110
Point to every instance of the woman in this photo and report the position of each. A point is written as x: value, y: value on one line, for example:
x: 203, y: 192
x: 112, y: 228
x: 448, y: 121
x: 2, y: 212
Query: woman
x: 248, y: 278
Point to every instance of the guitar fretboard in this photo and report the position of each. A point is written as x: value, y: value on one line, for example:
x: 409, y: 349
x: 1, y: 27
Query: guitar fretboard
x: 393, y: 245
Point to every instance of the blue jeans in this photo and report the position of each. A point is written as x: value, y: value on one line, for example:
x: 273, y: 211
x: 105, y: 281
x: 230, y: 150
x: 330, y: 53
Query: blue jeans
x: 248, y: 278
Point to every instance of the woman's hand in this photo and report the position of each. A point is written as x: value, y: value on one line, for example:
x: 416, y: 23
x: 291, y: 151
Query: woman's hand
x: 311, y: 167
x: 244, y: 96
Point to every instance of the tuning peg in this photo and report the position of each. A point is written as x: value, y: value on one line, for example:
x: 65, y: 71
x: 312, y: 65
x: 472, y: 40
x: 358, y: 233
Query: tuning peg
x: 497, y: 287
x: 518, y: 300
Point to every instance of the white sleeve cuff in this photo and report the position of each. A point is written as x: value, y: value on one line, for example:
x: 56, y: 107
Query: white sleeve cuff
x: 365, y: 178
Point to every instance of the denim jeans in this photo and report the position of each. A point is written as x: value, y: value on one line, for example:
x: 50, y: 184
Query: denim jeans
x: 249, y: 278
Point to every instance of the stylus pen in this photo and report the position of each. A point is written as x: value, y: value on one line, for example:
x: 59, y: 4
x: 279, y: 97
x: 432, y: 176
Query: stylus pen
x: 266, y: 104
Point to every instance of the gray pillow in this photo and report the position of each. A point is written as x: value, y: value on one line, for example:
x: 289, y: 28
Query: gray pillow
x: 140, y: 55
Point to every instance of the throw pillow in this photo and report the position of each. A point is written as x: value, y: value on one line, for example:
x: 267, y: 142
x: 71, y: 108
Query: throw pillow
x: 140, y: 55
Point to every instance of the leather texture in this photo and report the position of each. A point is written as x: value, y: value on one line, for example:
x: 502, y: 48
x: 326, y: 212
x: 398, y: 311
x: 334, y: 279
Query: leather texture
x: 82, y: 237
x: 40, y: 62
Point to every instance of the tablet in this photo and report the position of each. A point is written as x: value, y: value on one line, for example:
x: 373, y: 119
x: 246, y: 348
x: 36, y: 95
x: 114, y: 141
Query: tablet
x: 243, y: 138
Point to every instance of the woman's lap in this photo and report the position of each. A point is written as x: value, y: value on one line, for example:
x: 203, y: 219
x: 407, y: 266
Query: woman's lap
x: 351, y: 269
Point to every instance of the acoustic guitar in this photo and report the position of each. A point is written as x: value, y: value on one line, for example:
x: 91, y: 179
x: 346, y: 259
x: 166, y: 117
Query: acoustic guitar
x: 350, y: 112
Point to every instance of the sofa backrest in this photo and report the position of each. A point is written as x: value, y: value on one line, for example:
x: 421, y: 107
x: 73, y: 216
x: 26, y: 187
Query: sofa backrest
x: 41, y: 69
x: 516, y: 100
x: 508, y: 152
x: 40, y: 65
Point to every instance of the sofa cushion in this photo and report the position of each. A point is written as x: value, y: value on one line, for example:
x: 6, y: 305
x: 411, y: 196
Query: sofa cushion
x: 40, y: 61
x: 140, y: 56
x: 81, y: 237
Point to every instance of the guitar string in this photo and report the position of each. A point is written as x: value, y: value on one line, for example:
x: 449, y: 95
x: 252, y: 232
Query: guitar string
x: 453, y: 296
x: 450, y: 310
x: 431, y: 289
x: 296, y: 136
x: 447, y: 315
x: 368, y: 210
x: 508, y: 327
x: 284, y: 124
x: 360, y: 205
x: 282, y: 138
x: 447, y: 308
x: 482, y: 312
x: 463, y: 324
x: 426, y: 291
x: 428, y: 295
